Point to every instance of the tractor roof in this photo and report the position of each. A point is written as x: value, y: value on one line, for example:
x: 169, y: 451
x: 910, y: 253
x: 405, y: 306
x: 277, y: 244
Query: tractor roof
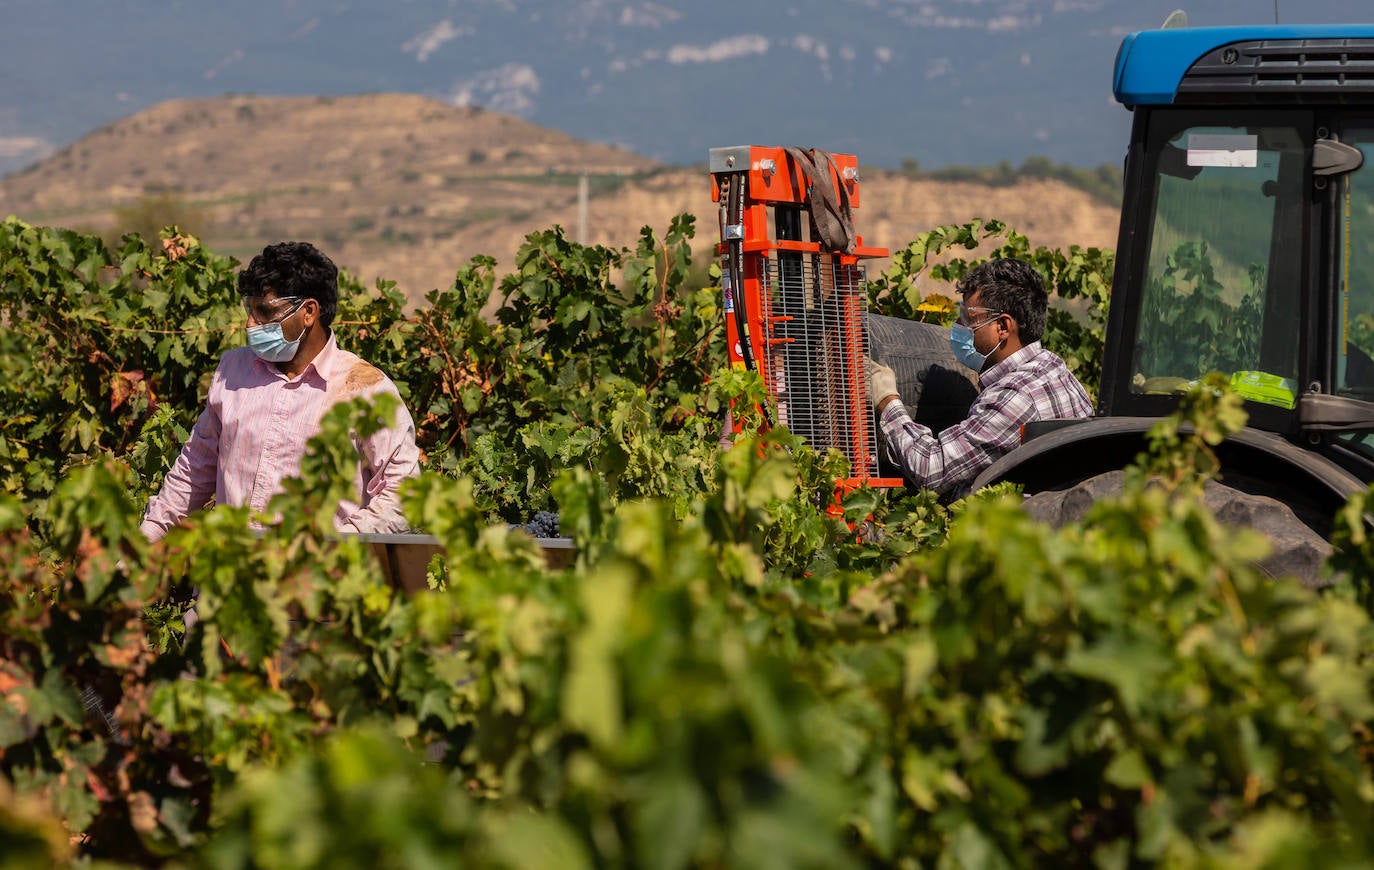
x: 1154, y: 67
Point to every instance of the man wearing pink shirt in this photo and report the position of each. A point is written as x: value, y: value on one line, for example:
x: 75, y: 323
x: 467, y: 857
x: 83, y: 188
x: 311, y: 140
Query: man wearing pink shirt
x: 267, y: 399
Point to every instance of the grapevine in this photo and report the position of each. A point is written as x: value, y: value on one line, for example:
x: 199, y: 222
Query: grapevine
x: 726, y: 675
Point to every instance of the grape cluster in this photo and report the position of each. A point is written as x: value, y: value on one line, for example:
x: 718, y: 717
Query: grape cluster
x: 544, y: 525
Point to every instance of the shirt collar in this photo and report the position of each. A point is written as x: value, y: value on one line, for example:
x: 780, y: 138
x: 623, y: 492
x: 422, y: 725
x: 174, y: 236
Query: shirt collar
x: 1009, y: 365
x: 322, y: 365
x: 317, y: 371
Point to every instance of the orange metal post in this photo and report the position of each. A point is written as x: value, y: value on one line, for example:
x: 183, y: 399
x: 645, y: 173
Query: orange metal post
x: 824, y: 303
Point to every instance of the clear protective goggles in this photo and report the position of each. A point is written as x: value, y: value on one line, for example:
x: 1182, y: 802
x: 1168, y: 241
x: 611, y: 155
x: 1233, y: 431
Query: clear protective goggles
x: 264, y: 309
x: 966, y: 312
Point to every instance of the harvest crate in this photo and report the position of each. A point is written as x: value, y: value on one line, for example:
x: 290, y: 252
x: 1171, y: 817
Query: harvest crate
x: 405, y: 558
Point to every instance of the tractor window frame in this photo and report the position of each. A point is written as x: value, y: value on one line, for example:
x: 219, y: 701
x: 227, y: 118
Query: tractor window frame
x: 1342, y: 327
x: 1152, y: 130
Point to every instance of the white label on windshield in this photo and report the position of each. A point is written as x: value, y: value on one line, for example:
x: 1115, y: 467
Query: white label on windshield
x: 1222, y: 149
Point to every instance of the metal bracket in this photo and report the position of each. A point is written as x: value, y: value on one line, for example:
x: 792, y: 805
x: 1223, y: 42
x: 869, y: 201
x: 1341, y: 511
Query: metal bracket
x: 1333, y: 157
x: 1322, y: 413
x: 734, y: 158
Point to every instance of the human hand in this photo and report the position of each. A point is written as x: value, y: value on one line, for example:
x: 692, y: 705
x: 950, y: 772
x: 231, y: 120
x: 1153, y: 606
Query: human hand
x: 882, y: 382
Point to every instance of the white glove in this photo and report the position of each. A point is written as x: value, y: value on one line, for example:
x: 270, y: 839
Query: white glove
x: 882, y: 382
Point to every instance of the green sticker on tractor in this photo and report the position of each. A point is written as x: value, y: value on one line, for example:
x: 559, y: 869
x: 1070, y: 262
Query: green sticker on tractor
x: 1266, y: 388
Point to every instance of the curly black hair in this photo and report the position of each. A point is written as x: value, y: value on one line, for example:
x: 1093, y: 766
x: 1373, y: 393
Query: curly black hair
x: 294, y: 269
x: 1014, y: 288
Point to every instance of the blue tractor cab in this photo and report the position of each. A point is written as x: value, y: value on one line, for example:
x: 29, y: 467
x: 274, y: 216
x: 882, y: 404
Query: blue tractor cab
x: 1246, y: 246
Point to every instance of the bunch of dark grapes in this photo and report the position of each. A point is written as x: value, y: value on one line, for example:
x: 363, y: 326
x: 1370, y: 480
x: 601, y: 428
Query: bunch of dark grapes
x: 544, y: 525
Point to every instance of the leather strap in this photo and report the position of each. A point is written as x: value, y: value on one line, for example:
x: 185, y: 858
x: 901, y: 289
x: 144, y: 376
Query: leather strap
x: 831, y: 213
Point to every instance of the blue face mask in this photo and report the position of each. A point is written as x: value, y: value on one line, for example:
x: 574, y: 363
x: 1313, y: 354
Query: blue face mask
x: 268, y: 342
x: 961, y: 342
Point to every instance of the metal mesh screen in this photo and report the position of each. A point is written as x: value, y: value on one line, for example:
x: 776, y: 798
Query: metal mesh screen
x: 816, y: 331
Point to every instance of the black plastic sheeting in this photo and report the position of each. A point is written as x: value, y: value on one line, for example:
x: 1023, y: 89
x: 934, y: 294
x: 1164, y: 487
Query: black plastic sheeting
x: 935, y: 387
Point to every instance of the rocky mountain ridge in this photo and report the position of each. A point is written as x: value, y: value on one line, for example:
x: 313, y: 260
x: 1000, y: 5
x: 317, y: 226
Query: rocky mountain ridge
x: 409, y: 188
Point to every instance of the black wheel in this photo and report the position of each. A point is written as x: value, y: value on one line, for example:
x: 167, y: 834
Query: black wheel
x: 1298, y: 549
x: 935, y: 388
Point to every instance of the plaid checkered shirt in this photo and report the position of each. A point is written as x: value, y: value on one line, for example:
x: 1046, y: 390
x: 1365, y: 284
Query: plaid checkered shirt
x: 1031, y: 384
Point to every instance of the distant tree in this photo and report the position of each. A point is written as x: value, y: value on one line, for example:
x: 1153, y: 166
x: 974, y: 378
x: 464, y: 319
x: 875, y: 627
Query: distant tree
x: 1103, y: 182
x: 149, y: 214
x: 1038, y: 167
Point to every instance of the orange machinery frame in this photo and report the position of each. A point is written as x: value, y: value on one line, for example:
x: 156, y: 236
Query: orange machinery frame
x: 770, y: 183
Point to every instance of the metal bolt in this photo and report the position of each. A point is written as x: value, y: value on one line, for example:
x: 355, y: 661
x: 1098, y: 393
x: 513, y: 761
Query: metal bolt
x: 730, y: 160
x: 768, y: 166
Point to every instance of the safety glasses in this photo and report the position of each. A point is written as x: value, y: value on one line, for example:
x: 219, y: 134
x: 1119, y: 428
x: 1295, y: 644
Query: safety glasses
x: 968, y: 312
x: 262, y: 309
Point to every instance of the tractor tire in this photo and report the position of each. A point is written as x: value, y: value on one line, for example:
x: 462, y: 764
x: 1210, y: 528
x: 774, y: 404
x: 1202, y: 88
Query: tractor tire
x: 1298, y: 550
x: 936, y: 389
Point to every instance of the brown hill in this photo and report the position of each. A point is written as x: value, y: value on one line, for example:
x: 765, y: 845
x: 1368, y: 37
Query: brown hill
x: 409, y: 188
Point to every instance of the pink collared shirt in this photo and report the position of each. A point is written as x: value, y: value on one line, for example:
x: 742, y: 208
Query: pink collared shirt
x: 252, y: 435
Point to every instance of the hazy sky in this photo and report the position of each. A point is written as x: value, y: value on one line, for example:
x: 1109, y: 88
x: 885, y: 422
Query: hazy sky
x: 942, y: 81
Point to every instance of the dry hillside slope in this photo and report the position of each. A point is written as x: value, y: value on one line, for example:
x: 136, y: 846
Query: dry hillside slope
x: 409, y: 188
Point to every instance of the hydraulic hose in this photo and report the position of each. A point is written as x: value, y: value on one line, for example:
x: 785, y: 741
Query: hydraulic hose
x: 734, y: 216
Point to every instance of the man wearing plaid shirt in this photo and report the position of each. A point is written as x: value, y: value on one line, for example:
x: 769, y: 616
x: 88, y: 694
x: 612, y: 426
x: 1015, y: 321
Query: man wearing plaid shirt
x: 1001, y: 318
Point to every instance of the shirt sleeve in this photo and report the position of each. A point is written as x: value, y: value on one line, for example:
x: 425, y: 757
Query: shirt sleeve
x: 388, y: 457
x: 951, y: 460
x: 191, y: 481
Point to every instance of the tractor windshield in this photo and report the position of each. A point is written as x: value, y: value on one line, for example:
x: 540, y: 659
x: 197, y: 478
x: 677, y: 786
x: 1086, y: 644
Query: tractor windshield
x: 1223, y: 267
